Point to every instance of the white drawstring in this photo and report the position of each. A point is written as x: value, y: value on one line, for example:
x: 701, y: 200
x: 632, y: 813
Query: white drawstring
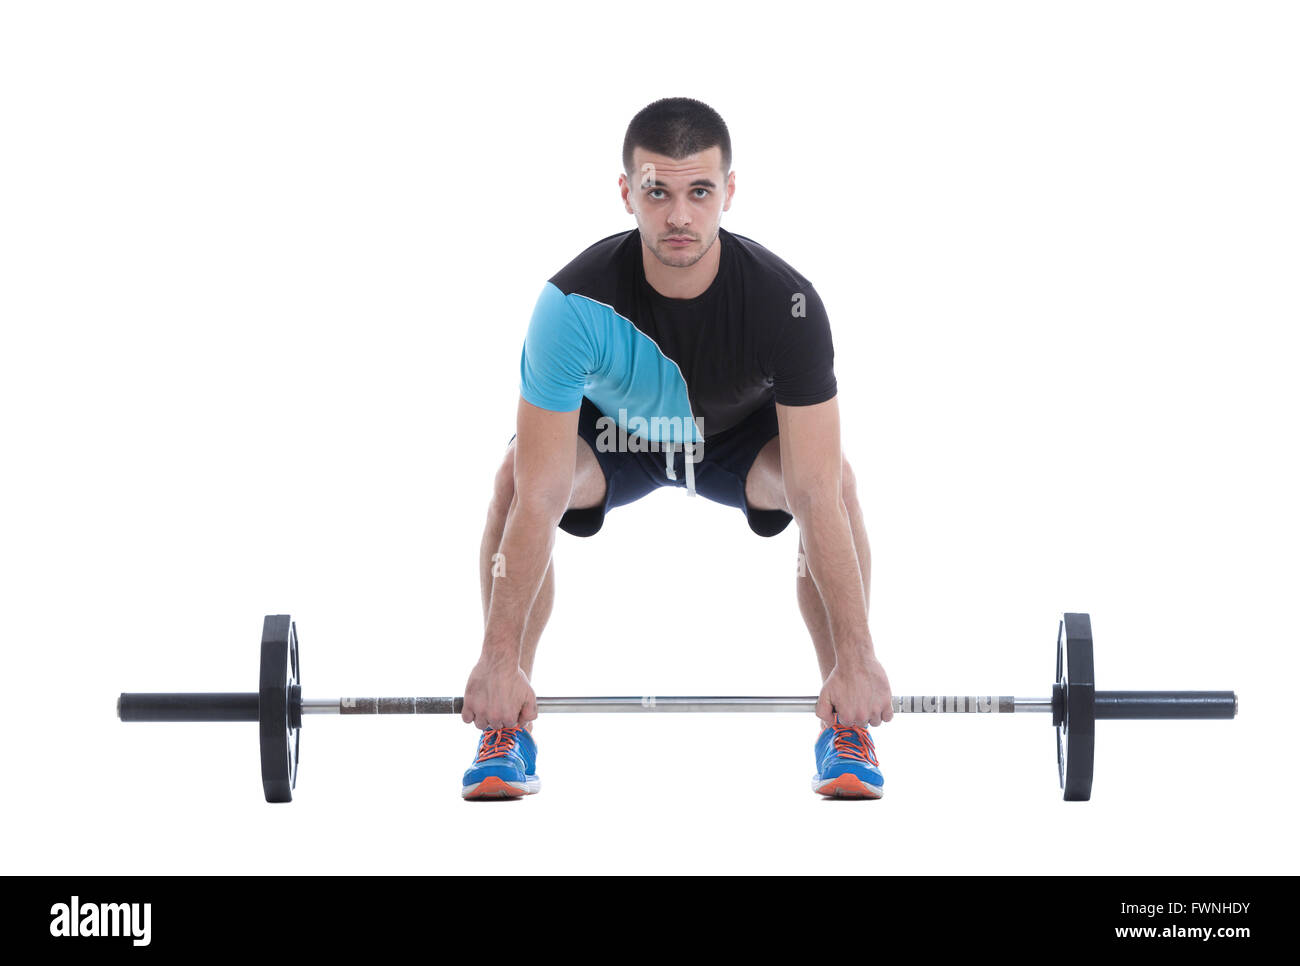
x: 688, y: 451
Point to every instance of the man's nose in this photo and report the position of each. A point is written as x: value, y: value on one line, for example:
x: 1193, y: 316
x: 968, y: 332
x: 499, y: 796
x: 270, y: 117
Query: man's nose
x: 680, y: 216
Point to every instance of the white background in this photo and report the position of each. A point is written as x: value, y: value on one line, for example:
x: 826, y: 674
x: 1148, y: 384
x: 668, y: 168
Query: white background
x: 266, y: 269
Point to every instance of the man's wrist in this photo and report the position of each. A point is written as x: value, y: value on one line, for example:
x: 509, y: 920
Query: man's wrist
x: 856, y: 655
x: 500, y: 650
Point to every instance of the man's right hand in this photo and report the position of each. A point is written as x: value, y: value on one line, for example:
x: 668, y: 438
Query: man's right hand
x: 498, y: 695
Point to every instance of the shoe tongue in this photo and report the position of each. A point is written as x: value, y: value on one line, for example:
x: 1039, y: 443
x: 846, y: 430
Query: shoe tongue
x: 853, y: 735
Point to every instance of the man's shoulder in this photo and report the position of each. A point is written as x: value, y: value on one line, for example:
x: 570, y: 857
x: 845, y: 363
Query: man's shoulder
x: 774, y: 290
x: 595, y: 271
x: 762, y: 265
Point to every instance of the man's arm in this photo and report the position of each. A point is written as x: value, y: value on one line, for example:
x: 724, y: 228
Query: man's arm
x: 498, y: 694
x: 811, y: 463
x: 544, y: 467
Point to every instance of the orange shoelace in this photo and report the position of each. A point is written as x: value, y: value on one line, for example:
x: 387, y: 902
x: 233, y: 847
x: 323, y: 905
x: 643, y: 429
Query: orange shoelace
x: 864, y: 749
x: 496, y: 743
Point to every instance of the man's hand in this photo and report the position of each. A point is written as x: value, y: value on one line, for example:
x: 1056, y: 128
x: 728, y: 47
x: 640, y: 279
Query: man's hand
x: 498, y: 695
x: 857, y: 693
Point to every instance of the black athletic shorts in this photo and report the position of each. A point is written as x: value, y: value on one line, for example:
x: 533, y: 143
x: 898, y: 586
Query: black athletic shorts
x: 720, y: 473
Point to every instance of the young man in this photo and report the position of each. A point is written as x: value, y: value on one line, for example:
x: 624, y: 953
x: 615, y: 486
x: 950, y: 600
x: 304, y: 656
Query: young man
x: 676, y: 354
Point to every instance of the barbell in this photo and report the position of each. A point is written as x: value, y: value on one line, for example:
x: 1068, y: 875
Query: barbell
x: 278, y: 706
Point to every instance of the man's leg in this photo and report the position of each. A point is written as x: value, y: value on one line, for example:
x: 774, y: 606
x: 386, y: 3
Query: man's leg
x: 846, y: 759
x: 588, y: 491
x: 765, y: 490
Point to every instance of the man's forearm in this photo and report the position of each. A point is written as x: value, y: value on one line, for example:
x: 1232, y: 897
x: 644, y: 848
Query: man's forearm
x: 833, y: 563
x: 525, y: 551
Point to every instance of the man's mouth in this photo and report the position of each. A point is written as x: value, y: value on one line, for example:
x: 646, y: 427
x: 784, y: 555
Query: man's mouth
x: 679, y: 240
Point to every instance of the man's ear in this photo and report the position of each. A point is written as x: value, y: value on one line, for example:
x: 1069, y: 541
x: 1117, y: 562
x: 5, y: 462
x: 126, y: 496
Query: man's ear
x: 623, y: 188
x: 731, y: 190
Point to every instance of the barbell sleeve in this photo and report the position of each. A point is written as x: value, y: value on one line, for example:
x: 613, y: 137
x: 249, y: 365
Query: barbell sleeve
x: 188, y: 707
x: 1166, y: 704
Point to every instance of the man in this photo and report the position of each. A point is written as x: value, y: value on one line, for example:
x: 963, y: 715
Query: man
x: 676, y: 354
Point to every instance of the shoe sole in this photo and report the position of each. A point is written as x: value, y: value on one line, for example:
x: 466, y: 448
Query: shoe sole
x: 846, y: 786
x: 494, y: 787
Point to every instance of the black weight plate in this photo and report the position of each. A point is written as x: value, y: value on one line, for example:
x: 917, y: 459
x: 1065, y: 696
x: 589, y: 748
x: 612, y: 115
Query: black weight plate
x: 1058, y: 701
x: 278, y: 715
x: 1074, y: 706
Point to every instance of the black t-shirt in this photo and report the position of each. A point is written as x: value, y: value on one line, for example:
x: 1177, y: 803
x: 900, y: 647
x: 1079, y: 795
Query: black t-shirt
x: 660, y: 365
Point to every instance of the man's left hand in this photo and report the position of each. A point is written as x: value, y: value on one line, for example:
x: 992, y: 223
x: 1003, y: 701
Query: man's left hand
x: 857, y: 693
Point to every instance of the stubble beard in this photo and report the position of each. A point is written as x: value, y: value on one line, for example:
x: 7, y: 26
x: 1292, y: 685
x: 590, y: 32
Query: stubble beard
x: 677, y: 260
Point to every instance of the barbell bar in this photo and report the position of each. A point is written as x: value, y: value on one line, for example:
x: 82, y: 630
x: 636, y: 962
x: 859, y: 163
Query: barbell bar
x: 278, y: 706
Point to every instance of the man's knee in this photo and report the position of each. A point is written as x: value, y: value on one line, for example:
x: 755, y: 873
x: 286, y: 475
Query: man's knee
x: 848, y: 483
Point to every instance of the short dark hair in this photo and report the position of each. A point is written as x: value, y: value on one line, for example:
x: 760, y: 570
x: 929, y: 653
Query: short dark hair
x: 677, y: 127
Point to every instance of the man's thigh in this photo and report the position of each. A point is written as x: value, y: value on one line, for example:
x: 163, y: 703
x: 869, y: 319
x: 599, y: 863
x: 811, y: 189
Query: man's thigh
x: 765, y: 487
x: 737, y: 470
x: 588, y: 479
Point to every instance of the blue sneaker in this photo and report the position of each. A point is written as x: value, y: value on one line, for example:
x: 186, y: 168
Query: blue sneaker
x: 847, y: 765
x: 505, y: 766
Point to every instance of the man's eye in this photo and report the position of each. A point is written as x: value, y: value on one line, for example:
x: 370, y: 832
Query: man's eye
x: 656, y: 193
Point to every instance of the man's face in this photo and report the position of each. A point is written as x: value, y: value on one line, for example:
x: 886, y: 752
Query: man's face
x: 678, y: 204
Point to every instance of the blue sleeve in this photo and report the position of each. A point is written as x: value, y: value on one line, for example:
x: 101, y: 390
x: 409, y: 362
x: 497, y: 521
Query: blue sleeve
x: 558, y: 354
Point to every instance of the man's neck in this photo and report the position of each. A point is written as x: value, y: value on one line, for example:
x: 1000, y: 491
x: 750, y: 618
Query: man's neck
x: 683, y: 283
